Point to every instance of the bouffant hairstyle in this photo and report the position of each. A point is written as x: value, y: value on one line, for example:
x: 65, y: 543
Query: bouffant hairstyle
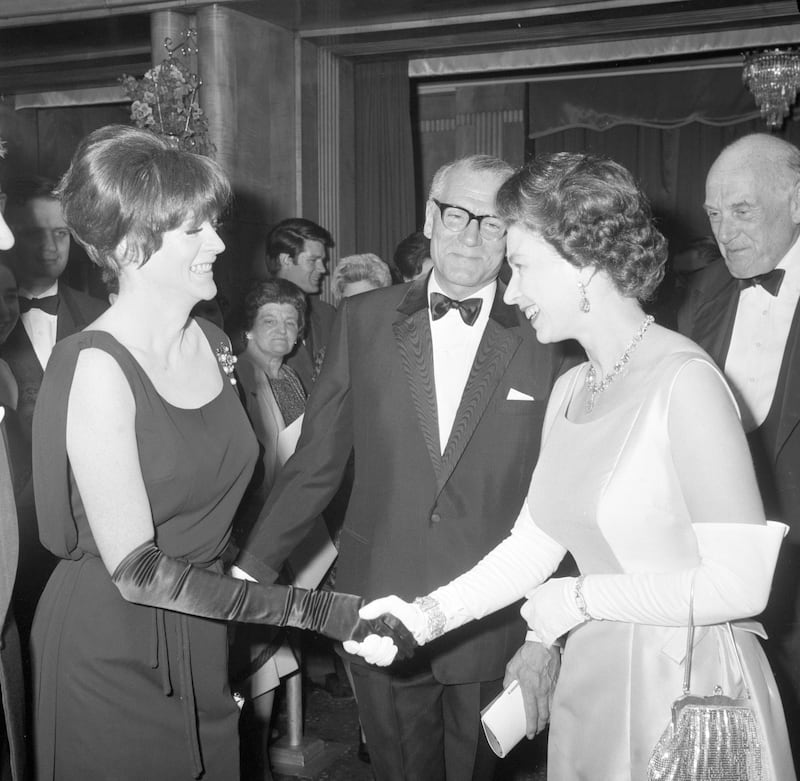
x: 365, y: 267
x: 289, y: 237
x: 591, y: 211
x: 273, y: 291
x: 126, y: 187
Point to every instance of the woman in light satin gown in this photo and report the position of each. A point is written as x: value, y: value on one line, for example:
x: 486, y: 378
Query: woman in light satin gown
x: 644, y: 476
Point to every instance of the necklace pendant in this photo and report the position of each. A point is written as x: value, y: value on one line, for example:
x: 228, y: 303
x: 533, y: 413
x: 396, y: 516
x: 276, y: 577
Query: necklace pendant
x: 594, y: 386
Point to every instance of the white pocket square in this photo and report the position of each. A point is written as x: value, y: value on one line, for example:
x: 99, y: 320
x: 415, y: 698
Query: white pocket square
x: 515, y: 395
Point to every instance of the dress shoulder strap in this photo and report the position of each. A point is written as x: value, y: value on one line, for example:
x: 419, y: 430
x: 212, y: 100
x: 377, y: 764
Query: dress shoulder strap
x: 51, y: 481
x: 668, y: 371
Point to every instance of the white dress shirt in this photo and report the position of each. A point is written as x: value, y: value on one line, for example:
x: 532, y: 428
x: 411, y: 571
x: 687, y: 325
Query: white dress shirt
x: 759, y: 339
x: 454, y: 347
x: 40, y: 326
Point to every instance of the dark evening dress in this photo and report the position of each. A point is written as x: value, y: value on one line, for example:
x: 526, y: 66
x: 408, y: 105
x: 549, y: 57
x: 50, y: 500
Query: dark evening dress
x: 124, y: 692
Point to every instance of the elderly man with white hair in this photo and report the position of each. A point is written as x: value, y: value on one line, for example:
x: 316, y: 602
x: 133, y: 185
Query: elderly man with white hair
x: 745, y: 314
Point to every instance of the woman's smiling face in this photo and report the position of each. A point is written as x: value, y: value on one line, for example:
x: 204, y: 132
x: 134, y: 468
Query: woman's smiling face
x: 543, y: 285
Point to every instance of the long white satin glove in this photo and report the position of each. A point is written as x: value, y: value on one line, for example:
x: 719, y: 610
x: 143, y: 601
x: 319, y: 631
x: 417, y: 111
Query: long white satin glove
x: 731, y: 581
x: 536, y: 667
x: 381, y: 651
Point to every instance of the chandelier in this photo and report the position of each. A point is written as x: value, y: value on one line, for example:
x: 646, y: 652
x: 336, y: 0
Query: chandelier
x: 773, y: 77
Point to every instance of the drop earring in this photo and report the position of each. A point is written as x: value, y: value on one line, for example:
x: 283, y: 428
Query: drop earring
x: 583, y: 304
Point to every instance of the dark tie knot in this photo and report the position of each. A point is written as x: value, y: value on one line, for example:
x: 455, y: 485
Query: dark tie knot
x: 48, y: 304
x: 469, y: 308
x: 771, y: 281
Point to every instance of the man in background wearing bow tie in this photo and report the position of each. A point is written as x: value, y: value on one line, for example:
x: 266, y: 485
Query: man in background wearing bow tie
x: 443, y: 404
x: 745, y: 314
x: 49, y: 310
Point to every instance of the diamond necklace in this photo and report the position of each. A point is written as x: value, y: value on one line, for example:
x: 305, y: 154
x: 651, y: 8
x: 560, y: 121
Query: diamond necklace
x: 596, y: 387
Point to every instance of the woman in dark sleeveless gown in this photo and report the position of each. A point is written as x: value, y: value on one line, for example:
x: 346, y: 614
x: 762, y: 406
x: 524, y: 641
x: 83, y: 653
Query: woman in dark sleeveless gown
x: 141, y: 455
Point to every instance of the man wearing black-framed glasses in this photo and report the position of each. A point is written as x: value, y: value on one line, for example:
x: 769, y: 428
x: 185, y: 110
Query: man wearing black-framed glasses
x: 440, y: 388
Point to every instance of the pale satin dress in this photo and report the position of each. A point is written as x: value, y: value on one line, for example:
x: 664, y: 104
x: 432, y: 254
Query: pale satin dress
x: 607, y: 490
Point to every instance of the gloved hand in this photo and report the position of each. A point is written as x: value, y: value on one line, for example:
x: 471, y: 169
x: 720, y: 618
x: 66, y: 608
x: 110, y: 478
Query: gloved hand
x: 551, y: 610
x: 380, y: 651
x: 407, y: 621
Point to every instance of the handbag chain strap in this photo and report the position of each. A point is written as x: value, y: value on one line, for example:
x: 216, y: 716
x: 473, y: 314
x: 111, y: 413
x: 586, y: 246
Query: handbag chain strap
x: 687, y: 672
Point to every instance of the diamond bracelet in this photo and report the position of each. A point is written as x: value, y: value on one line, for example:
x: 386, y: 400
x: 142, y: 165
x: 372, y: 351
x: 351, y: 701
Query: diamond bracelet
x: 434, y: 616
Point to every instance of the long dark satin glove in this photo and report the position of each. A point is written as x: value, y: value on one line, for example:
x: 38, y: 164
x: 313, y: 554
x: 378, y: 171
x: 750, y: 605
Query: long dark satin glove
x: 148, y: 576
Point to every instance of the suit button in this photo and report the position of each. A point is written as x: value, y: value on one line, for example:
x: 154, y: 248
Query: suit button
x: 435, y: 518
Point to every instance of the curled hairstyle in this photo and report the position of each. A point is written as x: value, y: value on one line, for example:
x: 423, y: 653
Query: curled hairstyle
x: 126, y: 187
x: 361, y: 268
x: 289, y: 237
x: 273, y: 291
x: 590, y: 210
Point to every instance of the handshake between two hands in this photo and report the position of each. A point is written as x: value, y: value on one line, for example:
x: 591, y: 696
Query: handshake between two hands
x: 390, y: 629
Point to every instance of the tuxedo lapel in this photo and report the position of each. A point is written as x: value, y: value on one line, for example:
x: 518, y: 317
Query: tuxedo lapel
x: 18, y: 352
x: 788, y: 387
x: 413, y: 336
x: 713, y: 326
x: 70, y: 318
x: 496, y: 348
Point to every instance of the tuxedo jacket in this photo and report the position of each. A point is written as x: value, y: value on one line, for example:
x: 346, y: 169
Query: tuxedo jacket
x: 707, y: 316
x: 309, y: 353
x: 75, y: 311
x: 11, y: 677
x: 416, y: 517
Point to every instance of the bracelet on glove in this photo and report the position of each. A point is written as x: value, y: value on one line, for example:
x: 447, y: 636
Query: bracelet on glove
x: 434, y: 619
x: 580, y: 600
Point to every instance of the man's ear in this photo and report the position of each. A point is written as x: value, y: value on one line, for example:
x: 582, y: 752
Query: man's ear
x: 285, y: 259
x: 430, y: 210
x: 794, y: 203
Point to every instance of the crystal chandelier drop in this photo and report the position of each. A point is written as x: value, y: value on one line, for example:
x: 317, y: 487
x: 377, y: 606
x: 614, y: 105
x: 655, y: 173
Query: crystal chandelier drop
x: 773, y: 77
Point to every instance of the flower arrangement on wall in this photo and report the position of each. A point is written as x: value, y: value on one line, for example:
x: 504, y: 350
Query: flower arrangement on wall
x: 164, y: 100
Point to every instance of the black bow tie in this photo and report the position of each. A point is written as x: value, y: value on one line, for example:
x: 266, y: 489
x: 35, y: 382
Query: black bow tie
x: 771, y: 281
x: 48, y: 304
x: 469, y: 308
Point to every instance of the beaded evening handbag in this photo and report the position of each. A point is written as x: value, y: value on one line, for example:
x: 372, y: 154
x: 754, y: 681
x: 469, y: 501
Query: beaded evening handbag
x: 713, y: 738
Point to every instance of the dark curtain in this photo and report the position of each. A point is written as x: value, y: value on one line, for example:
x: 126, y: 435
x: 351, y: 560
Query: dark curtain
x: 670, y: 165
x: 384, y: 165
x: 666, y: 128
x: 712, y: 96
